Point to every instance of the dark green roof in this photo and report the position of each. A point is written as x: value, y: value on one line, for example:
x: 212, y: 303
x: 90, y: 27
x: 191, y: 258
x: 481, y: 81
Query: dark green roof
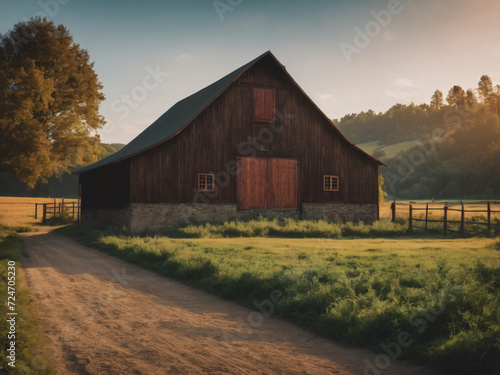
x: 176, y: 118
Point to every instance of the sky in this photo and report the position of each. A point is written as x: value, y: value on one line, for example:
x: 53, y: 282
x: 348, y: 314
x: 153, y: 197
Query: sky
x: 348, y: 56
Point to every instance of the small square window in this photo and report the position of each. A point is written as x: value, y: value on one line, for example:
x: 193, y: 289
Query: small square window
x: 206, y: 182
x: 330, y: 183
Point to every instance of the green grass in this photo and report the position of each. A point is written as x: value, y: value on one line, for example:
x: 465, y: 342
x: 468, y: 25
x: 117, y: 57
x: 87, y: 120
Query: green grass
x: 391, y: 151
x: 369, y: 147
x: 288, y: 228
x: 443, y: 292
x: 387, y: 151
x: 33, y: 356
x: 62, y: 219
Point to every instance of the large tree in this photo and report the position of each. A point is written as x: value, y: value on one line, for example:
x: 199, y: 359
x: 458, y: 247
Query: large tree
x: 49, y: 102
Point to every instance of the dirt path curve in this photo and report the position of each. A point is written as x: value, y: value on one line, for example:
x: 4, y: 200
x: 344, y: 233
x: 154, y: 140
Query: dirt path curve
x: 106, y: 316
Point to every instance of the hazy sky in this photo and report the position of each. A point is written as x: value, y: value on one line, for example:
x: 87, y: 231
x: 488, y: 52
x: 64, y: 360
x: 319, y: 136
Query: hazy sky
x: 158, y: 52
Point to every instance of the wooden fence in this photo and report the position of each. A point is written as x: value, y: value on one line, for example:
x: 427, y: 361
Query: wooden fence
x: 452, y: 217
x: 61, y: 209
x: 30, y: 210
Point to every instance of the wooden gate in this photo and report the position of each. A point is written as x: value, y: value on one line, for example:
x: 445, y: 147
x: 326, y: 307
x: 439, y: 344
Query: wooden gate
x: 267, y: 183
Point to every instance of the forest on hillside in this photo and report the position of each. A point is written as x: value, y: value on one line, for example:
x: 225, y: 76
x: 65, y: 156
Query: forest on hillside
x: 452, y: 144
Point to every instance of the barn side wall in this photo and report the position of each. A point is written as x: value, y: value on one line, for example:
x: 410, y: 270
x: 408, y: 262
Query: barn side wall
x: 150, y: 218
x: 226, y: 130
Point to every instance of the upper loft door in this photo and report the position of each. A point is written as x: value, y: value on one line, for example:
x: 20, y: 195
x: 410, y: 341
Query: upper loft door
x: 267, y: 183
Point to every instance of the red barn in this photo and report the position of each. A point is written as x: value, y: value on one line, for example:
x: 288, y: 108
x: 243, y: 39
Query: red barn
x: 251, y: 143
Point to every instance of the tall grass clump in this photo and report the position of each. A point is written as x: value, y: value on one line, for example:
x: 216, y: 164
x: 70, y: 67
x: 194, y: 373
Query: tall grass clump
x: 495, y: 245
x: 290, y: 228
x: 62, y: 219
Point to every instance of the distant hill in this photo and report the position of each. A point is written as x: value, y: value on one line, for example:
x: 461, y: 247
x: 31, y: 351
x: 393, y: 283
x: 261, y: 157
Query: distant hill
x: 116, y: 146
x: 65, y: 185
x: 385, y: 152
x: 442, y: 152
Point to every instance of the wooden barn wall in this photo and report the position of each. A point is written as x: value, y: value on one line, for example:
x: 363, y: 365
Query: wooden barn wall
x: 168, y: 172
x: 106, y: 186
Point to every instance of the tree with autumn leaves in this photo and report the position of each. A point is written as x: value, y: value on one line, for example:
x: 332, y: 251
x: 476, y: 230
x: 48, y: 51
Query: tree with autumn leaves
x: 49, y: 102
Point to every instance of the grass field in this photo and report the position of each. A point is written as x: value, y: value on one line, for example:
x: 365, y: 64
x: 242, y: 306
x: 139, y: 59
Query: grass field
x: 33, y: 355
x: 21, y: 210
x: 441, y: 295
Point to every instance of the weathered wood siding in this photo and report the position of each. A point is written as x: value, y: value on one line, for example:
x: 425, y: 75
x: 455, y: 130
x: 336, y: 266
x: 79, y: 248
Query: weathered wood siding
x: 226, y: 130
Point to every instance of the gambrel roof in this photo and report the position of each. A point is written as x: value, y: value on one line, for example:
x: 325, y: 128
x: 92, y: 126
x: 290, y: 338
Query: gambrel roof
x: 184, y: 112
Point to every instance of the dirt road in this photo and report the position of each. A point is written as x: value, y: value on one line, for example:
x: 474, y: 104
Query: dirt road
x: 106, y: 316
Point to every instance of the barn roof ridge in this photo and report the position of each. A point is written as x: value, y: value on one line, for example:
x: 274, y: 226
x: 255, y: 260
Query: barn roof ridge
x: 181, y: 114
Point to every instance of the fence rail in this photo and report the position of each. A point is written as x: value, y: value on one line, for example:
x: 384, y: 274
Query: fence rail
x: 61, y: 209
x: 29, y: 210
x: 446, y: 210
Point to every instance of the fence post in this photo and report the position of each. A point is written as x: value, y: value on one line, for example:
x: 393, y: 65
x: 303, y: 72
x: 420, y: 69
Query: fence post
x: 410, y: 218
x: 62, y: 207
x: 36, y: 210
x: 393, y: 209
x: 73, y: 211
x: 44, y: 217
x: 426, y: 215
x: 445, y: 226
x: 489, y: 216
x: 462, y: 220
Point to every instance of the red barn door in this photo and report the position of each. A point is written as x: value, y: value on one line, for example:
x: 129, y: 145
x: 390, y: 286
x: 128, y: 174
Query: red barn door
x: 267, y: 183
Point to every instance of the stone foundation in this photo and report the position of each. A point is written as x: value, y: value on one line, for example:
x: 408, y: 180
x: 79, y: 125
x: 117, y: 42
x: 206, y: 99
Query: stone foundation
x: 155, y: 217
x: 150, y: 218
x: 107, y: 217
